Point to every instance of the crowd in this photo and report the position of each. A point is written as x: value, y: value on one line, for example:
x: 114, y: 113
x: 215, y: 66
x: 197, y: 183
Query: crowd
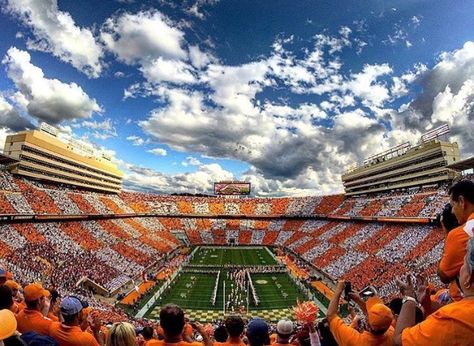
x: 111, y: 252
x: 61, y: 254
x: 25, y: 196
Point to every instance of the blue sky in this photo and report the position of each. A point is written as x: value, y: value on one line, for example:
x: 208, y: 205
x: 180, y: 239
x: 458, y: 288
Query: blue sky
x: 284, y: 94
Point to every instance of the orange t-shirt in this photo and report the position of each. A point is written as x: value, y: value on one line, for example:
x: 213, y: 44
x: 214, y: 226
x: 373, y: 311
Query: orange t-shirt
x: 71, y: 336
x: 53, y: 317
x: 181, y: 343
x: 454, y: 252
x: 20, y: 306
x: 347, y: 336
x: 152, y: 342
x: 103, y: 329
x: 453, y: 324
x: 32, y: 321
x: 227, y: 343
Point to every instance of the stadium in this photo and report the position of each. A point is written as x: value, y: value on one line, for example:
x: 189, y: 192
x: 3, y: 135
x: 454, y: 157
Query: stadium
x: 129, y: 253
x: 236, y: 173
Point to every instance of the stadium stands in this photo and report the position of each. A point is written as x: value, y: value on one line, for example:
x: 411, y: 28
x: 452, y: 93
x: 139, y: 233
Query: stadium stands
x: 111, y: 252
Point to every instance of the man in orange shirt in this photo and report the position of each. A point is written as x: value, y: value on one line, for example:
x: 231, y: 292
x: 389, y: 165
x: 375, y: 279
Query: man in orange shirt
x: 379, y: 319
x: 31, y: 319
x: 462, y: 202
x: 452, y: 324
x: 69, y: 332
x: 235, y: 329
x: 257, y: 332
x: 172, y: 321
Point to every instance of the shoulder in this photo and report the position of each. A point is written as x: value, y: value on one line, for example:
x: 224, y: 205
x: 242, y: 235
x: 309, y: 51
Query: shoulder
x: 456, y: 238
x: 341, y: 331
x: 335, y: 322
x: 54, y: 326
x: 456, y: 233
x: 462, y: 307
x: 87, y: 338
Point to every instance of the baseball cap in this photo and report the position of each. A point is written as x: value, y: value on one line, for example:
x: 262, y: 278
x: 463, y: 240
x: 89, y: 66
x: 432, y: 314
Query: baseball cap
x: 12, y: 284
x: 3, y: 273
x: 7, y: 324
x: 71, y: 306
x: 257, y: 329
x: 285, y: 327
x: 379, y: 315
x: 34, y: 291
x: 442, y: 296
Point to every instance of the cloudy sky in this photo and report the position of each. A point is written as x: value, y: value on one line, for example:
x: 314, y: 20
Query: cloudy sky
x: 285, y: 94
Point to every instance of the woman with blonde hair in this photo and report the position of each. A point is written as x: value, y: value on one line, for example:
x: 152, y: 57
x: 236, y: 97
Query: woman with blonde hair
x: 122, y: 334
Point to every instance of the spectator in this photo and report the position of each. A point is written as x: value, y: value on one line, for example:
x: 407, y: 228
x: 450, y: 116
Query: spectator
x: 448, y: 219
x: 221, y: 335
x: 69, y: 332
x: 172, y: 321
x: 8, y: 333
x: 257, y: 333
x: 122, y: 334
x: 379, y: 322
x: 31, y: 319
x: 6, y: 298
x: 462, y: 201
x: 284, y: 331
x: 234, y: 326
x: 326, y: 337
x: 148, y: 334
x: 452, y: 324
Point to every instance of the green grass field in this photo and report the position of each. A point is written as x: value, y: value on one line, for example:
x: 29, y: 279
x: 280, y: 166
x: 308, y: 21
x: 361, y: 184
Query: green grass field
x: 238, y: 256
x: 193, y: 291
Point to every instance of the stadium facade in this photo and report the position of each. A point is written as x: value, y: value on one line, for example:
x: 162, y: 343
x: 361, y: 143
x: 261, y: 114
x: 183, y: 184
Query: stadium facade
x: 41, y: 155
x: 404, y: 167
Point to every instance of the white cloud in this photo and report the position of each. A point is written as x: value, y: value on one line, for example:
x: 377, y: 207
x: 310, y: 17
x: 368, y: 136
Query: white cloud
x: 363, y: 85
x: 191, y: 161
x: 56, y: 32
x: 47, y: 99
x: 200, y: 59
x: 136, y: 141
x: 288, y: 146
x: 201, y: 181
x: 236, y: 86
x: 416, y: 20
x: 457, y: 110
x: 161, y: 70
x: 197, y: 10
x: 101, y: 130
x: 4, y: 132
x: 158, y: 152
x: 285, y: 146
x: 401, y: 83
x: 143, y: 36
x: 10, y: 118
x: 447, y: 97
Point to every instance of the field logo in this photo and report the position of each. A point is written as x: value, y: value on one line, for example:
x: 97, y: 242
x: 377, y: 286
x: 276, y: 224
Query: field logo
x: 261, y: 282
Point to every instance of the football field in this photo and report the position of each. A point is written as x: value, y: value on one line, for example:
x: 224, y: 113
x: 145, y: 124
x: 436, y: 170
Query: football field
x: 218, y: 280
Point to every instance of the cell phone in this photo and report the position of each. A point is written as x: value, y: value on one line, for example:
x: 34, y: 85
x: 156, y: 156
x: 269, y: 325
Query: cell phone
x: 347, y: 291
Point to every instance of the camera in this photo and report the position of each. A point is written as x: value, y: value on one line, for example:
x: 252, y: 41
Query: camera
x: 347, y: 291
